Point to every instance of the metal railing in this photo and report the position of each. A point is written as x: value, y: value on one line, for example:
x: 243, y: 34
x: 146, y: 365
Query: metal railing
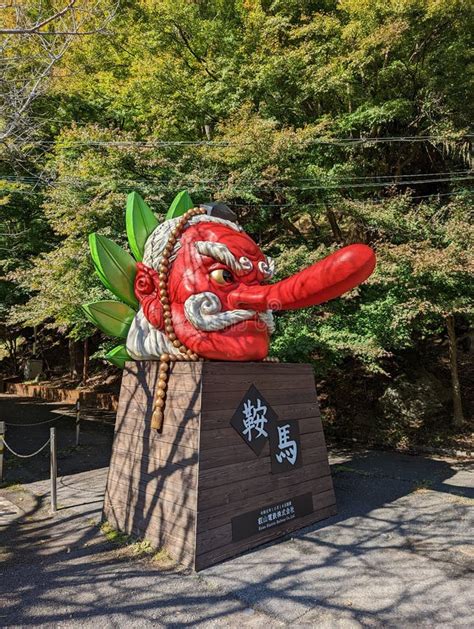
x: 53, y: 460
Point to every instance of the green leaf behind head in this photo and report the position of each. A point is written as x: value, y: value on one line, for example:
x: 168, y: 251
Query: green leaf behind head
x: 140, y: 222
x: 181, y: 204
x: 115, y: 267
x: 112, y: 317
x: 118, y: 356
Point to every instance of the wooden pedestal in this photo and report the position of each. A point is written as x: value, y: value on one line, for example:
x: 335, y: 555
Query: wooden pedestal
x: 196, y: 488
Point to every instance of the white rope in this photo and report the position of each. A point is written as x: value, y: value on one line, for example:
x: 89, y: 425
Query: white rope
x: 158, y: 239
x: 48, y: 421
x: 221, y: 253
x: 25, y: 456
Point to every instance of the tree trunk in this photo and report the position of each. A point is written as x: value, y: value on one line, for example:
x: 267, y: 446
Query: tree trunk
x: 458, y: 417
x: 290, y: 227
x: 85, y: 364
x: 72, y: 359
x: 35, y: 341
x: 336, y: 230
x: 12, y: 352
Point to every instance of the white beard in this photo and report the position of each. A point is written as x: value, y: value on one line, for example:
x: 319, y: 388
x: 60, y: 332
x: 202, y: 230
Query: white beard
x: 145, y: 342
x: 203, y: 311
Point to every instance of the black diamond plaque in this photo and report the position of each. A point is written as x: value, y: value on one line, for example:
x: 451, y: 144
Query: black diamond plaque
x: 254, y: 419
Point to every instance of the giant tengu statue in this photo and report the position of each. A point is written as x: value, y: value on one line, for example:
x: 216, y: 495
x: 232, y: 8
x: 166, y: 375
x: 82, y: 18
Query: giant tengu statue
x: 202, y: 286
x: 216, y: 449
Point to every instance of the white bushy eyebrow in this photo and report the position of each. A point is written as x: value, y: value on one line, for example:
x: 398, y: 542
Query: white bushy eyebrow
x: 267, y: 268
x: 221, y: 253
x: 159, y: 238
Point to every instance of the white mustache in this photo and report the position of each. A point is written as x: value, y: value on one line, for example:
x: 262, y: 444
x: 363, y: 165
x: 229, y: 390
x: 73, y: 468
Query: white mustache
x: 204, y: 311
x: 268, y: 320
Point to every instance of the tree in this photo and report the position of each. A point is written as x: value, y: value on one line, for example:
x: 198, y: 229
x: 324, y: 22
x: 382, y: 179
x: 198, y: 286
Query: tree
x: 321, y: 123
x: 33, y: 40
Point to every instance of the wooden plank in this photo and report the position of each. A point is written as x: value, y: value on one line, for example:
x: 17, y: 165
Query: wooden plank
x: 138, y: 416
x: 180, y: 435
x: 218, y: 516
x: 176, y: 382
x: 215, y: 400
x: 219, y: 457
x: 222, y: 383
x: 174, y: 386
x: 214, y: 537
x: 209, y: 478
x: 180, y: 548
x: 223, y: 437
x: 259, y: 368
x: 162, y: 478
x: 147, y: 513
x: 264, y: 485
x: 225, y: 552
x: 164, y: 454
x: 177, y: 398
x: 151, y: 527
x: 153, y: 443
x: 162, y: 505
x: 212, y: 420
x: 167, y: 462
x: 141, y: 377
x: 126, y: 460
x: 188, y: 368
x: 123, y: 459
x: 228, y: 437
x: 324, y: 499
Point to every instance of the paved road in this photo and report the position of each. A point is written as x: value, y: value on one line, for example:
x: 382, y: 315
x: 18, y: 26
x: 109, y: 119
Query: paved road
x: 399, y: 554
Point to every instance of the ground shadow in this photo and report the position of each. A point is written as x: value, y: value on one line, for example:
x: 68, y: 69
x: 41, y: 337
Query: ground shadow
x: 394, y: 555
x: 28, y: 424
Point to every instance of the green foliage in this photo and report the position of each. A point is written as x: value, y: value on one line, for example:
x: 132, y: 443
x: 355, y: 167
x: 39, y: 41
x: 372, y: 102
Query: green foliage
x: 266, y: 106
x: 112, y: 317
x: 118, y: 356
x: 115, y: 268
x: 424, y: 272
x: 140, y: 222
x: 181, y: 203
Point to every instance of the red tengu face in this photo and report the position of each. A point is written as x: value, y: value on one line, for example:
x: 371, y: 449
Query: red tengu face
x: 219, y: 296
x: 215, y: 260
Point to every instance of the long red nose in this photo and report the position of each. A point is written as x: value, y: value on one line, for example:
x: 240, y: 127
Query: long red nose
x: 329, y: 278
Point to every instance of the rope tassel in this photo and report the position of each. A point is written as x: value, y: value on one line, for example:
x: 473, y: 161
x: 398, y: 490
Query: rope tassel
x: 185, y: 353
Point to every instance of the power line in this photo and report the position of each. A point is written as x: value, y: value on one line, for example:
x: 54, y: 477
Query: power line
x: 432, y: 195
x: 224, y: 178
x: 185, y: 143
x: 342, y: 183
x: 385, y: 184
x: 451, y: 172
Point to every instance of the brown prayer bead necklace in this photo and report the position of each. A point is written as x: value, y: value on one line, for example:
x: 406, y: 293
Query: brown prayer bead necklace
x: 186, y: 354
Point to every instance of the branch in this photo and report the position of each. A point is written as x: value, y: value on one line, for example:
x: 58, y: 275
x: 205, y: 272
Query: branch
x: 36, y: 28
x: 20, y: 91
x: 98, y: 31
x: 187, y: 43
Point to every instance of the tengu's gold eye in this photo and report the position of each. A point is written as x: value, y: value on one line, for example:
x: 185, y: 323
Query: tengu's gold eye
x: 222, y: 276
